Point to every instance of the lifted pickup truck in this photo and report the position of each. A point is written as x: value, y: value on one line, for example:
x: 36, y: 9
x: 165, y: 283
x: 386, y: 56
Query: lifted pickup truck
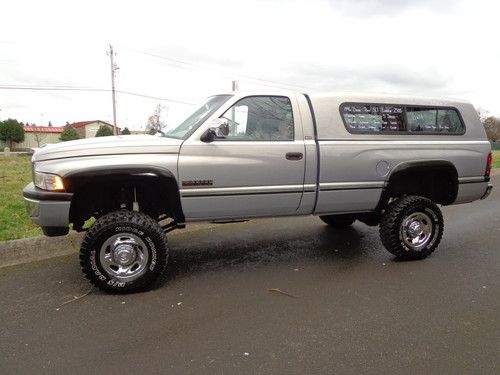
x: 387, y: 161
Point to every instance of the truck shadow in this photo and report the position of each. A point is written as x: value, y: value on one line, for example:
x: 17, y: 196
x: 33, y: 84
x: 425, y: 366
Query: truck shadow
x: 222, y: 249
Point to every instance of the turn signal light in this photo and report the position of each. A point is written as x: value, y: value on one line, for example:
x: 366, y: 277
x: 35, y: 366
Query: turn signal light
x: 58, y: 183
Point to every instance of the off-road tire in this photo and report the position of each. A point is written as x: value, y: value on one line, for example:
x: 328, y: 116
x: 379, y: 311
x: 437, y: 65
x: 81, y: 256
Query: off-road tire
x: 338, y: 221
x: 392, y: 226
x: 138, y: 226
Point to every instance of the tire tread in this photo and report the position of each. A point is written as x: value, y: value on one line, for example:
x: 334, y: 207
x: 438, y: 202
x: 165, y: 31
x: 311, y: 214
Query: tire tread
x: 389, y: 226
x: 125, y: 216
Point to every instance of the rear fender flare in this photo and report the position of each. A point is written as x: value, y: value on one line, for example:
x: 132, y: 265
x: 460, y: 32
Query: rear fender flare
x: 416, y: 167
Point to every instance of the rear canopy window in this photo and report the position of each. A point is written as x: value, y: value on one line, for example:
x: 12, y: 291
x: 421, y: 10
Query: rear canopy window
x: 400, y: 119
x: 434, y: 120
x: 371, y: 118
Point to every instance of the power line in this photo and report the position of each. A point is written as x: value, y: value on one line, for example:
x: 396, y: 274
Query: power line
x: 51, y: 88
x: 155, y: 97
x: 263, y: 82
x: 89, y: 89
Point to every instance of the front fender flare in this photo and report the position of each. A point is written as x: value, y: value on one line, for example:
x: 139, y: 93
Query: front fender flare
x: 75, y: 181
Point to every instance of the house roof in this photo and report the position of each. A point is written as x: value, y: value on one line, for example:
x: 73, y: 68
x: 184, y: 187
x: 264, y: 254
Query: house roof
x: 59, y: 129
x: 43, y: 129
x: 84, y: 123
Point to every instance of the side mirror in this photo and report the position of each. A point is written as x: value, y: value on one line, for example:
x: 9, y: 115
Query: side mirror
x: 208, y: 136
x: 218, y: 130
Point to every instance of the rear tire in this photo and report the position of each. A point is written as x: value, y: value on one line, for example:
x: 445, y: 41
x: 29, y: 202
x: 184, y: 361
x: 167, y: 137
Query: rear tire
x: 411, y: 227
x: 124, y: 251
x: 338, y: 221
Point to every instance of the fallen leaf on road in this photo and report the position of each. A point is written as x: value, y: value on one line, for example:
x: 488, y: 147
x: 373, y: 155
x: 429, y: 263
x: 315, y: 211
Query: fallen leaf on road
x: 279, y: 291
x: 75, y: 298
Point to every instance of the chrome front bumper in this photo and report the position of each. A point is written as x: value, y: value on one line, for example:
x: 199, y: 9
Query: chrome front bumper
x: 44, y: 209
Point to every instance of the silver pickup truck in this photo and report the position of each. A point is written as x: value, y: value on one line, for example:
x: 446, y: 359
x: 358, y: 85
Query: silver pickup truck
x: 387, y: 161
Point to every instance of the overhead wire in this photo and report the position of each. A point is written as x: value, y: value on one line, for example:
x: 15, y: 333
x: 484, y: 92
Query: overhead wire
x: 170, y: 61
x: 263, y: 82
x: 90, y: 89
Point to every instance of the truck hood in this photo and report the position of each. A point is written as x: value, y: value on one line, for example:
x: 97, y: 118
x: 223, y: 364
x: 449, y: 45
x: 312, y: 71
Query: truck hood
x: 122, y: 144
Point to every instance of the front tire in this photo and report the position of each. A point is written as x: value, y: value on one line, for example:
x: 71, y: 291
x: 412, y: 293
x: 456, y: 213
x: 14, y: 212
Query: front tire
x: 411, y: 227
x: 124, y: 251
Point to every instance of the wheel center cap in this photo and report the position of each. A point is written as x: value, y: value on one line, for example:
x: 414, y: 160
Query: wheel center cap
x: 124, y: 254
x: 415, y: 229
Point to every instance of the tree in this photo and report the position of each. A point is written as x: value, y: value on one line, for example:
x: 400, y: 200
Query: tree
x: 155, y: 124
x: 69, y: 134
x: 39, y: 136
x: 492, y: 127
x: 483, y: 114
x: 11, y: 131
x: 125, y: 131
x: 104, y: 131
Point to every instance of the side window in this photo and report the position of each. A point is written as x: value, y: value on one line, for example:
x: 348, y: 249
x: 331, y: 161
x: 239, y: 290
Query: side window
x: 434, y: 120
x: 373, y: 118
x: 261, y: 118
x: 421, y: 119
x: 389, y: 119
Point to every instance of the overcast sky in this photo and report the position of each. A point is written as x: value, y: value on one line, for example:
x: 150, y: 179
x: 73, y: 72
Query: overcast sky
x: 187, y: 50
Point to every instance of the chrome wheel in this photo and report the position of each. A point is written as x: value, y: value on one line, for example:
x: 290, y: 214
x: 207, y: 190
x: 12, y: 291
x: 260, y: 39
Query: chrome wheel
x: 124, y: 256
x: 416, y: 230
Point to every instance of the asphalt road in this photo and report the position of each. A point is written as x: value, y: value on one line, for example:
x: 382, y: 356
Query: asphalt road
x: 354, y: 310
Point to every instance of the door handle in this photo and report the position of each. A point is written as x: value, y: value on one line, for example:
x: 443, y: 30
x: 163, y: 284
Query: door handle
x: 294, y: 156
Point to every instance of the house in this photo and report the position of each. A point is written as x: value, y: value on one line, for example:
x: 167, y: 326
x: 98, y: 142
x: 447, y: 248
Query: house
x: 88, y: 129
x: 37, y: 136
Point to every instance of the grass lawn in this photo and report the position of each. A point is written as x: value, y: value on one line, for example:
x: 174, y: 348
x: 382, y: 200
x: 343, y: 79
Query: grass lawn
x: 15, y: 173
x: 496, y: 159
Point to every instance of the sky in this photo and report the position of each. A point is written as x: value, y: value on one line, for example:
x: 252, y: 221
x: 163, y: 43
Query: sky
x: 176, y: 53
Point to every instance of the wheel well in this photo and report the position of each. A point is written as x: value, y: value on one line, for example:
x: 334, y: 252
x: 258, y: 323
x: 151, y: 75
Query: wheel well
x: 98, y: 191
x: 436, y: 180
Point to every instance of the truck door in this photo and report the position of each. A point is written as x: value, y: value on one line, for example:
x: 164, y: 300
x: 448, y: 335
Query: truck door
x: 256, y: 170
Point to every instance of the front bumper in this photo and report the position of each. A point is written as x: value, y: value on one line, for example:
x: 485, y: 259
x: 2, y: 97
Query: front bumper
x: 47, y: 208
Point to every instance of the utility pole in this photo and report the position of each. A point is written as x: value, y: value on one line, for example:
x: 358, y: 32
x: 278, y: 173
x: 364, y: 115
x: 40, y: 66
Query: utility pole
x: 114, y: 68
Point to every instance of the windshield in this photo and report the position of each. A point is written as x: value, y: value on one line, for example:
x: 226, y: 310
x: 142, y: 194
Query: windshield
x: 197, y: 118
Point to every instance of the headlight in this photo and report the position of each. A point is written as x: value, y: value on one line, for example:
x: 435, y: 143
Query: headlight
x: 48, y: 181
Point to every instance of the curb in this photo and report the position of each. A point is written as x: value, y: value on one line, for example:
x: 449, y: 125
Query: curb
x: 26, y: 250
